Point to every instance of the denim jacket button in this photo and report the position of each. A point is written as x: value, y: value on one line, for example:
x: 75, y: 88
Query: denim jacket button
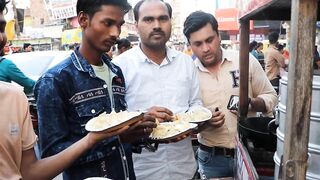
x: 93, y: 111
x: 105, y: 86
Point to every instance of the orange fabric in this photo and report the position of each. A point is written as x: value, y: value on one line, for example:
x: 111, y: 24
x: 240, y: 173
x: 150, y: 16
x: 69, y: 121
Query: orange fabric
x: 188, y: 52
x: 17, y: 132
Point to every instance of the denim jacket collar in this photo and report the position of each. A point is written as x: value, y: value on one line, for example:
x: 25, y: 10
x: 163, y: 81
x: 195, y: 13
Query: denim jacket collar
x: 83, y: 65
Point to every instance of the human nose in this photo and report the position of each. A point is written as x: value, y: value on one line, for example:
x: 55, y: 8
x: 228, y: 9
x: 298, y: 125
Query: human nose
x: 205, y: 47
x: 156, y: 24
x: 115, y: 32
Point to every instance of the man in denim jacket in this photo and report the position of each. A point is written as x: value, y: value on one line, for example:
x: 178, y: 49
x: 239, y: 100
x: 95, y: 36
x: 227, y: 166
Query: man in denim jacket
x: 83, y: 86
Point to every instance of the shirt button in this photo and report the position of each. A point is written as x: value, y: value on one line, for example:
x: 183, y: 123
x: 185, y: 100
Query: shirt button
x: 105, y: 86
x: 113, y: 148
x: 93, y: 111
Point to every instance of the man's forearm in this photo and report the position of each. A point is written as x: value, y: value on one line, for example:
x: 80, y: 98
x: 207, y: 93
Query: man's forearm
x: 50, y: 167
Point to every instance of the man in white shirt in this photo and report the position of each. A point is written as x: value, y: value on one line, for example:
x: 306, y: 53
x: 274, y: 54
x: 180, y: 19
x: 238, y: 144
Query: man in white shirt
x: 164, y: 79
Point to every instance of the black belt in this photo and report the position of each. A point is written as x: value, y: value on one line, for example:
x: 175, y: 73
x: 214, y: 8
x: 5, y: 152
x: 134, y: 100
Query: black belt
x: 218, y: 150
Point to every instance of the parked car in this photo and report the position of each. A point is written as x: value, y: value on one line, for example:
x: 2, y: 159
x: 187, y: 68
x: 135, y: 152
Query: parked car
x: 33, y: 65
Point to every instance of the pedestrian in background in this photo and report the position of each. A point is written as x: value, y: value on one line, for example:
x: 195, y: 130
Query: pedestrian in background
x: 258, y: 54
x: 274, y: 60
x: 9, y: 72
x: 27, y: 47
x: 252, y: 45
x: 123, y: 45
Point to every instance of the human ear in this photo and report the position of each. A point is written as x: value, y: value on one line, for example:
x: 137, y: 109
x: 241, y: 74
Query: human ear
x: 83, y: 19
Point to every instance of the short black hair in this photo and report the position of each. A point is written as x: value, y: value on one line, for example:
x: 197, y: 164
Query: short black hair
x: 137, y: 7
x: 252, y: 45
x: 3, y: 4
x: 260, y: 44
x: 273, y: 37
x: 90, y: 7
x: 25, y: 45
x: 123, y: 43
x: 280, y: 47
x: 198, y: 20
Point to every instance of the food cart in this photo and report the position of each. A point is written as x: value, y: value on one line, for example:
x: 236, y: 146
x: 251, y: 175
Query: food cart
x: 298, y: 86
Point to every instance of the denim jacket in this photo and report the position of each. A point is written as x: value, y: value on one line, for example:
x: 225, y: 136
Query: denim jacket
x: 68, y: 96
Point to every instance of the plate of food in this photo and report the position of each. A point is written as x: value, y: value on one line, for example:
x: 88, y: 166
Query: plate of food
x: 113, y: 121
x: 197, y: 115
x: 167, y: 131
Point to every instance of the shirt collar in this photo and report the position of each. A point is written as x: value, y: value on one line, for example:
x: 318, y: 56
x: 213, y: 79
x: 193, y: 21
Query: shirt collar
x: 171, y: 54
x: 200, y: 66
x: 225, y: 57
x: 273, y: 46
x: 83, y: 65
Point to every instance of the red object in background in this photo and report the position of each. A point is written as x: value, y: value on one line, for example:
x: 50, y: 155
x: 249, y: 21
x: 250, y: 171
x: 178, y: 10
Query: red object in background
x: 264, y: 171
x: 228, y: 19
x: 286, y: 54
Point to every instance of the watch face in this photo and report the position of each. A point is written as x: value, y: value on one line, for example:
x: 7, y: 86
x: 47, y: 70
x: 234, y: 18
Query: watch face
x: 233, y: 103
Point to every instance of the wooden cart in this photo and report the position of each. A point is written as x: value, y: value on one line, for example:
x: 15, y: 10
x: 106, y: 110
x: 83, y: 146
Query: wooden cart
x: 303, y: 15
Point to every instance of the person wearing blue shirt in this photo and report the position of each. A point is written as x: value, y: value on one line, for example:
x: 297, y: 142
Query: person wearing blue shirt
x: 258, y: 54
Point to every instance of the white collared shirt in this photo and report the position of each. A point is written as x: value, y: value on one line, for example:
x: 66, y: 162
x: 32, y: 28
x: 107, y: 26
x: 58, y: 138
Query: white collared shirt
x: 173, y: 84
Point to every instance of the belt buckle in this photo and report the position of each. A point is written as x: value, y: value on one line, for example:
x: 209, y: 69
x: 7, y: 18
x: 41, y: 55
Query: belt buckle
x: 227, y: 152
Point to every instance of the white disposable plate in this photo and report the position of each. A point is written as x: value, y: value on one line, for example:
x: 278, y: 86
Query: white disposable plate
x: 90, y: 126
x: 97, y: 178
x: 190, y: 116
x: 183, y: 132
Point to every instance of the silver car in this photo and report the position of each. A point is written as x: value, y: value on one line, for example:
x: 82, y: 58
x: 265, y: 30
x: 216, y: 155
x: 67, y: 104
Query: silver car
x: 34, y: 64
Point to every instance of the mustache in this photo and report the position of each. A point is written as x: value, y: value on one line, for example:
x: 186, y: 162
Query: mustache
x: 156, y: 32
